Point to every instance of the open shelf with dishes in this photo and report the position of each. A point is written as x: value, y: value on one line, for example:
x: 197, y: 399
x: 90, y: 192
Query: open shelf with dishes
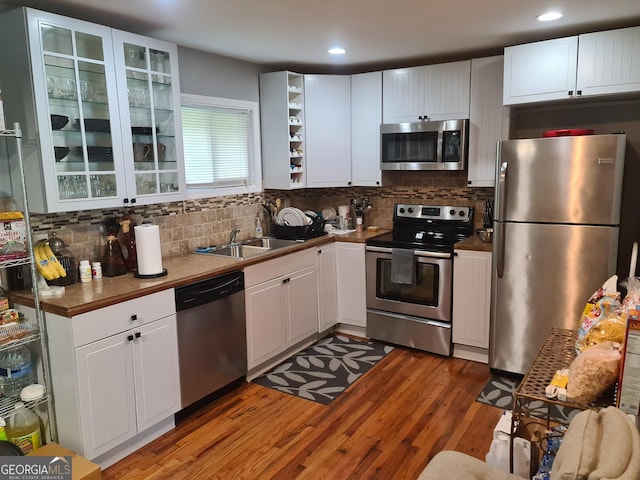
x: 283, y: 139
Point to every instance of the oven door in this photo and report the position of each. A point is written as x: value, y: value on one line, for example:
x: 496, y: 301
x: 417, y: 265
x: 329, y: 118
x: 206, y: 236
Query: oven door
x: 428, y: 296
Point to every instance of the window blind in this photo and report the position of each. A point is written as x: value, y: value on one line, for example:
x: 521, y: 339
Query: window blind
x: 218, y: 146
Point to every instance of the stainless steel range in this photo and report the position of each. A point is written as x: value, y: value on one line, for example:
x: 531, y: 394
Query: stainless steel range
x: 410, y: 276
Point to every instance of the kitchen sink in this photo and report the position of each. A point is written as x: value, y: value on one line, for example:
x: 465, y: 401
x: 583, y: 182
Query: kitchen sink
x: 269, y: 242
x: 247, y: 248
x: 239, y: 251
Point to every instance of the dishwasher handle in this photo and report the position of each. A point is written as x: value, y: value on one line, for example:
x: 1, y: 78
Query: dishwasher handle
x: 209, y: 290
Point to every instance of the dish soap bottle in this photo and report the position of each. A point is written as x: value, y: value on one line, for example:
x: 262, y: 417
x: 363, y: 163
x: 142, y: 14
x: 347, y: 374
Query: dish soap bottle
x: 258, y: 227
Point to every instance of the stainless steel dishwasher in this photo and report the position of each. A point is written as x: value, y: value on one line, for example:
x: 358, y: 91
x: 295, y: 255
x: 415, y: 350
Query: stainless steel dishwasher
x: 211, y: 335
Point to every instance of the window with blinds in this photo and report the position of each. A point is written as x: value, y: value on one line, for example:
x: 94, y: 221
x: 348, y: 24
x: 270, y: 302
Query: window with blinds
x: 221, y: 148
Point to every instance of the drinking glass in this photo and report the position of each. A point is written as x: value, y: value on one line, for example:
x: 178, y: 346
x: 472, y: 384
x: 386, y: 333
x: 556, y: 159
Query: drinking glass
x: 86, y: 91
x: 51, y: 85
x: 68, y: 89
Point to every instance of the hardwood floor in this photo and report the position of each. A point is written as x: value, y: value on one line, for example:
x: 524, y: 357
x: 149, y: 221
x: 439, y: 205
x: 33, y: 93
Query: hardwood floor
x: 387, y: 425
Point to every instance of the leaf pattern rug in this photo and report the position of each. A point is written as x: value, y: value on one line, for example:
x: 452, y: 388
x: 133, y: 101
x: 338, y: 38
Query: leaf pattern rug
x: 499, y: 390
x: 325, y: 370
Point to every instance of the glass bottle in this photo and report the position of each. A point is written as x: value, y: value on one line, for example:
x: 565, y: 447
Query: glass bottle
x: 129, y: 246
x: 112, y: 259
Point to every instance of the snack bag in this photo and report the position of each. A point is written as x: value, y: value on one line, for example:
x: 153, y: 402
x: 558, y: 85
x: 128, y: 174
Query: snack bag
x: 600, y: 319
x: 632, y: 299
x: 593, y: 371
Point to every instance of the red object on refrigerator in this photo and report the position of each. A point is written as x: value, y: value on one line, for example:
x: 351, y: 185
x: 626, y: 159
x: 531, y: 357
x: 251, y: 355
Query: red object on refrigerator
x: 566, y: 132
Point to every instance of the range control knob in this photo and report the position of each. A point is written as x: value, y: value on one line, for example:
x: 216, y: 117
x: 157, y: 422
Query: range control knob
x: 461, y: 213
x: 452, y: 212
x: 410, y: 210
x: 401, y: 210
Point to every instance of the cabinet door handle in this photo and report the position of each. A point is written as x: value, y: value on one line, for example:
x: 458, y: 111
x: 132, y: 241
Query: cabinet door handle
x: 130, y: 338
x: 134, y: 317
x: 125, y: 200
x: 579, y: 93
x: 133, y: 200
x: 138, y: 334
x: 286, y: 280
x: 571, y: 93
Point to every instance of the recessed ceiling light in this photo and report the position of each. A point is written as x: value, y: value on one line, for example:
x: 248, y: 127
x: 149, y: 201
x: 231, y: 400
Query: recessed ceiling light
x: 549, y: 16
x: 337, y: 51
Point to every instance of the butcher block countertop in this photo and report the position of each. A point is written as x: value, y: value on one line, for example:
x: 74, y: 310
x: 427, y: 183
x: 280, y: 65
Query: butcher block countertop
x: 181, y: 270
x: 473, y: 243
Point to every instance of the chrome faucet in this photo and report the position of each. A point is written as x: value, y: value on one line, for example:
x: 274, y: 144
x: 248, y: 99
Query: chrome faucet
x: 234, y: 234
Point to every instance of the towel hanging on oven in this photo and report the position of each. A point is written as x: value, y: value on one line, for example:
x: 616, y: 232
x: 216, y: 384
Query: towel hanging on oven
x: 401, y: 266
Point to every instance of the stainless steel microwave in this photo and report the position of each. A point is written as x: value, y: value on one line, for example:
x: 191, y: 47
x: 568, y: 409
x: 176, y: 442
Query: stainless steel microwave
x: 424, y: 145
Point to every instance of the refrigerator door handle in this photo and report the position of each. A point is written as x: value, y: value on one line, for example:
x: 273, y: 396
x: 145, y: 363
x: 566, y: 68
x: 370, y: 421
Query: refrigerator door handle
x: 499, y: 226
x: 502, y: 187
x: 499, y: 248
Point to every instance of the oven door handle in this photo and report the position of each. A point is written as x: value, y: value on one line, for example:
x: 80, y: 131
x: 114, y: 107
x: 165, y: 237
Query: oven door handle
x: 417, y: 253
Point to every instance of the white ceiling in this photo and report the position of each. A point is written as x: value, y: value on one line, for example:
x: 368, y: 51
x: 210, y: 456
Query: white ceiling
x: 374, y: 32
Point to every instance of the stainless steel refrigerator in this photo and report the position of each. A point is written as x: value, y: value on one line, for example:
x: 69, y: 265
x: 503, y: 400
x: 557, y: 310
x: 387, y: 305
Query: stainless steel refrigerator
x: 556, y: 225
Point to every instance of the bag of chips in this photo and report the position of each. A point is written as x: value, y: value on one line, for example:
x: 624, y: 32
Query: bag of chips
x: 601, y: 320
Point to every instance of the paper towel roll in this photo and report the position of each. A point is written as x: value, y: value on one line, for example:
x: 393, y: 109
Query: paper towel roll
x: 148, y: 249
x: 343, y: 210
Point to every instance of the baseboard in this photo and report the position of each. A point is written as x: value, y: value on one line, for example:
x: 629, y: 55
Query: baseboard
x: 127, y: 448
x: 468, y: 352
x: 352, y: 330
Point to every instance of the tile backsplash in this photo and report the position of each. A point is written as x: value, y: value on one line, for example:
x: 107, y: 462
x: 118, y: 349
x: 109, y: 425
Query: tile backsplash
x: 185, y: 225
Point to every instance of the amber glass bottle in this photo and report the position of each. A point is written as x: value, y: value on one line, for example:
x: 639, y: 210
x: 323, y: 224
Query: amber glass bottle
x: 113, y: 259
x: 129, y: 246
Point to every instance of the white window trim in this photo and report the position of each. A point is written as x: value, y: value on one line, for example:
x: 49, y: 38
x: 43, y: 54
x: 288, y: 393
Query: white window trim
x: 188, y: 99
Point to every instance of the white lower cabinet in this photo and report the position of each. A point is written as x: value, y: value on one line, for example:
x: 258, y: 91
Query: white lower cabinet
x: 115, y: 376
x: 281, y: 302
x: 471, y: 303
x: 327, y: 289
x: 351, y: 284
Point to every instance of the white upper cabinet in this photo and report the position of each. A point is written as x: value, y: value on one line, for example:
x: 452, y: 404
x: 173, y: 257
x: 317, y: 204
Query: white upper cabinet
x: 432, y: 92
x: 602, y: 63
x: 150, y: 117
x: 327, y: 107
x: 540, y: 71
x: 488, y: 120
x: 60, y: 81
x: 366, y: 117
x: 609, y: 62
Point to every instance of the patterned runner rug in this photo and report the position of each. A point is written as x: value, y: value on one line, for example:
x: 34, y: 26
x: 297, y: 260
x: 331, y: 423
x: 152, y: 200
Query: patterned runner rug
x: 498, y: 392
x: 325, y: 370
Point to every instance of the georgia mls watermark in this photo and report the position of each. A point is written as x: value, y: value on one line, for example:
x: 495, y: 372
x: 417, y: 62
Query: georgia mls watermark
x: 35, y: 468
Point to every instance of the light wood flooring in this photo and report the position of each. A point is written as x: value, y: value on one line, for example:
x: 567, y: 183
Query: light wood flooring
x: 387, y: 425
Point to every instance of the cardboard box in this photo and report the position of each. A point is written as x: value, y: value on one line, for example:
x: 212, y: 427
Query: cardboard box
x: 81, y: 468
x: 629, y: 382
x: 13, y: 239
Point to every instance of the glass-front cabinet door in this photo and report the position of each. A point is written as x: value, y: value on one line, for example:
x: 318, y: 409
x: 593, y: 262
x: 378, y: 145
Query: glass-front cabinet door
x: 76, y: 92
x: 147, y: 72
